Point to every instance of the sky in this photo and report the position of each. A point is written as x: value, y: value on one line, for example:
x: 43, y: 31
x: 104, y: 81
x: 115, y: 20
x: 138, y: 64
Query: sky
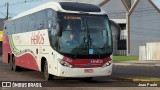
x: 157, y: 2
x: 18, y: 6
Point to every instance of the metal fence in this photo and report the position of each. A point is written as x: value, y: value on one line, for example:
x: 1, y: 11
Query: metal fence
x: 119, y: 47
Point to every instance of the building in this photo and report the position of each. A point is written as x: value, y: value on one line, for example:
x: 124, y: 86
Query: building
x: 139, y: 22
x: 143, y: 25
x: 117, y: 11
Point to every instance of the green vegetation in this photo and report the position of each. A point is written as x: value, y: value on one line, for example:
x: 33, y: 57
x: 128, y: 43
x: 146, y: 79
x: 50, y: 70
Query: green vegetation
x: 124, y: 58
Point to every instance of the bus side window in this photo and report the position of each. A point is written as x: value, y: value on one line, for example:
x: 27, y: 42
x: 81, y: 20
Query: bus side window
x: 49, y: 13
x: 25, y: 24
x: 52, y: 27
x: 8, y: 31
x: 16, y: 24
x: 32, y: 22
x: 13, y: 27
x: 51, y: 21
x: 41, y: 20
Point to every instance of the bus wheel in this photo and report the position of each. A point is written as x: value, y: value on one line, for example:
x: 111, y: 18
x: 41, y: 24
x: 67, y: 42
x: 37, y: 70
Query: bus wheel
x: 88, y: 79
x: 46, y: 74
x: 10, y: 63
x: 15, y: 68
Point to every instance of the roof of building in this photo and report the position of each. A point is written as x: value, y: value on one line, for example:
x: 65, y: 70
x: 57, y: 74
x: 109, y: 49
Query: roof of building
x: 137, y: 2
x: 116, y: 9
x: 126, y: 3
x: 157, y: 3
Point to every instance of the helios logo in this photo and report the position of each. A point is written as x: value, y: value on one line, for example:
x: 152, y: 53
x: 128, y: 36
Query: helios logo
x: 37, y: 38
x: 96, y: 61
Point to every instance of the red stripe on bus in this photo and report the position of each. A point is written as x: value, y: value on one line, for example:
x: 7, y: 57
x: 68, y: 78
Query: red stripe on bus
x: 87, y: 63
x: 6, y: 48
x: 28, y: 61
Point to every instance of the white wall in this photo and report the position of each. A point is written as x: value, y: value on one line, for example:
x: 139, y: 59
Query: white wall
x: 144, y: 26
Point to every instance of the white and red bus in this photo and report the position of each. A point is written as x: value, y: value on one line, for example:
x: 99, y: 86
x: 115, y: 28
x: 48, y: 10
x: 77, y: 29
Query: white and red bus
x: 37, y: 39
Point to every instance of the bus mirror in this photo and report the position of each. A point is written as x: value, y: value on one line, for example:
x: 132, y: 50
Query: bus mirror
x: 59, y: 30
x: 5, y: 27
x: 115, y: 29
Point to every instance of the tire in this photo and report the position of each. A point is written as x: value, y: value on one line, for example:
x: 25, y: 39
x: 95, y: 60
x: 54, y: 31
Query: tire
x: 15, y: 67
x: 87, y: 79
x: 10, y: 64
x: 46, y: 74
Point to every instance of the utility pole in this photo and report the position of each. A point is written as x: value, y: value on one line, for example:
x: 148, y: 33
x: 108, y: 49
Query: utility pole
x: 7, y: 16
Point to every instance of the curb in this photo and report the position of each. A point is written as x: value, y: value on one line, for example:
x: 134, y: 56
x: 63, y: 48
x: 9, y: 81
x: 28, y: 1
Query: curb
x: 132, y: 79
x: 127, y: 64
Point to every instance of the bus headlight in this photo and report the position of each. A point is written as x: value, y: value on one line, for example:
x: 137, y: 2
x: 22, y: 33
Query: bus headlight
x: 107, y: 64
x: 64, y: 63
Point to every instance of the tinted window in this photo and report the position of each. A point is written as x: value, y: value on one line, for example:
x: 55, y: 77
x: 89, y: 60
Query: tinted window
x: 25, y: 24
x: 41, y: 20
x: 18, y: 25
x: 32, y: 22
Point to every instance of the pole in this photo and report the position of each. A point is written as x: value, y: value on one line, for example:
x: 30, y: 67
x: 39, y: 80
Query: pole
x: 7, y: 16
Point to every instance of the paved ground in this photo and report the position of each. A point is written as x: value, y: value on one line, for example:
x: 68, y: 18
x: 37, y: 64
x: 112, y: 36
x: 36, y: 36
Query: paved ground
x: 137, y: 68
x: 101, y: 82
x: 29, y: 75
x: 148, y: 63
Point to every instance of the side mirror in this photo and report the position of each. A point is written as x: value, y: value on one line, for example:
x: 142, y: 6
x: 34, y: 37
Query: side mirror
x: 5, y: 27
x: 121, y: 44
x: 115, y: 29
x: 58, y: 29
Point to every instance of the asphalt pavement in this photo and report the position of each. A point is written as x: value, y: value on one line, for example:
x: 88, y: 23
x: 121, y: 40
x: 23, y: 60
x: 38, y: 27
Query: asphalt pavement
x: 117, y: 79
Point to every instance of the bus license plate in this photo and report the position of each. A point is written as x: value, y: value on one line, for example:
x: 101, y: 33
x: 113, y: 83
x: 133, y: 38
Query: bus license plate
x: 88, y: 70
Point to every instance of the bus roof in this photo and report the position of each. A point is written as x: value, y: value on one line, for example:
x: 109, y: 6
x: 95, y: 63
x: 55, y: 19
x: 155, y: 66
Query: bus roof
x: 69, y: 7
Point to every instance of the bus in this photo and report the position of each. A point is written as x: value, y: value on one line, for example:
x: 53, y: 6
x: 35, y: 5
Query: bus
x: 1, y: 33
x: 37, y: 39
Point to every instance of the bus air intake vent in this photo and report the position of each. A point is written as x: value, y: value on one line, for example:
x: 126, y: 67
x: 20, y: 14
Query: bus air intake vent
x: 75, y: 6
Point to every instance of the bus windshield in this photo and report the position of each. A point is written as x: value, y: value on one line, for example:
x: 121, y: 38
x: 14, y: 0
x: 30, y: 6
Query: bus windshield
x: 85, y: 34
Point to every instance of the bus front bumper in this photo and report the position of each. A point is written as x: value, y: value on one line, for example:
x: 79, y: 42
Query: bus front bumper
x: 84, y: 72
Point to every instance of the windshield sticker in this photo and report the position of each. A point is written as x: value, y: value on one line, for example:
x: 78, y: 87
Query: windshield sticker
x: 72, y: 17
x: 90, y: 51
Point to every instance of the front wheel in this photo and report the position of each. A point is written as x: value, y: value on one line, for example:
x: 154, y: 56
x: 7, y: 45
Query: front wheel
x: 87, y: 79
x: 46, y: 74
